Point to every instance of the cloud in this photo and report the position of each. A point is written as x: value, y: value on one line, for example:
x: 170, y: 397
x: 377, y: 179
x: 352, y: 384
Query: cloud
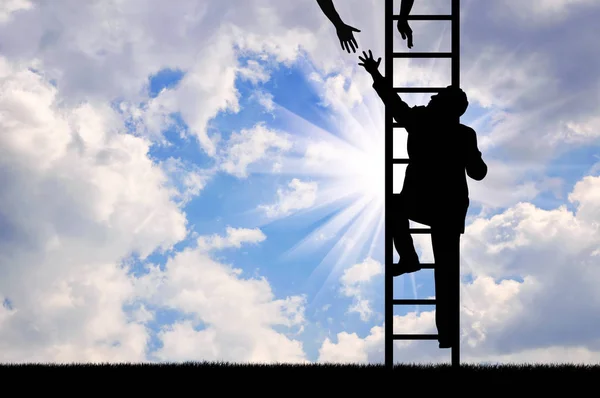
x: 358, y: 274
x: 250, y: 146
x: 234, y: 237
x: 254, y: 72
x: 187, y: 180
x: 300, y: 195
x: 338, y: 91
x: 539, y: 13
x: 265, y: 99
x: 354, y: 281
x: 8, y: 7
x: 206, y: 89
x: 228, y: 318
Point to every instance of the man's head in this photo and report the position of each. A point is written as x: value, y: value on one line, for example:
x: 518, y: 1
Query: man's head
x: 451, y: 101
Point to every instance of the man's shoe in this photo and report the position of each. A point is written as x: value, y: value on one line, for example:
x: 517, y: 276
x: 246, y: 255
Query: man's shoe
x: 406, y: 267
x: 445, y: 344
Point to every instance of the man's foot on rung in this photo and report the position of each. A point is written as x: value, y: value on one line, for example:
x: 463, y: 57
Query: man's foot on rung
x: 445, y: 344
x: 406, y: 267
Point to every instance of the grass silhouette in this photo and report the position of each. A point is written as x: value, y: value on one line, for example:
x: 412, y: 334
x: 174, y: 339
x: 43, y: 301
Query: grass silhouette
x: 467, y: 368
x: 326, y: 379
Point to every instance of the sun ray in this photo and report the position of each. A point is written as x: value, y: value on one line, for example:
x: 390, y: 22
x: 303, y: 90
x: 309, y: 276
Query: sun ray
x: 376, y: 236
x: 348, y: 250
x: 331, y: 229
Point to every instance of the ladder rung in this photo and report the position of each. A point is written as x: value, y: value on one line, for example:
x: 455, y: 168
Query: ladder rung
x: 423, y: 55
x: 424, y: 17
x: 418, y: 89
x: 419, y: 230
x: 401, y: 161
x: 413, y: 301
x: 415, y: 337
x: 427, y: 265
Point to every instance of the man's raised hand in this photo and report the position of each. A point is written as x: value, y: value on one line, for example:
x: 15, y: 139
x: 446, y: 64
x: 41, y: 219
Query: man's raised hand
x: 368, y: 62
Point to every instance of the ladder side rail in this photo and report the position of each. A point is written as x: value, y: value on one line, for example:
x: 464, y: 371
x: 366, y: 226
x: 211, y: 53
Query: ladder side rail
x: 388, y: 244
x: 455, y: 62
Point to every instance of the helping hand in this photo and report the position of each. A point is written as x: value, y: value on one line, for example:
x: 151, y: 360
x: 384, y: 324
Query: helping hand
x: 368, y: 62
x: 405, y: 31
x: 344, y: 33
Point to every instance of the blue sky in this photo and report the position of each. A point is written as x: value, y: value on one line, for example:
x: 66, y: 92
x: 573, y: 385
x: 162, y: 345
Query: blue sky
x: 214, y: 140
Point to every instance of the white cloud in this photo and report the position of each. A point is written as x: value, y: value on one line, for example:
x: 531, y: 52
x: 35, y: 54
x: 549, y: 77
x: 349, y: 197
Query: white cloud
x: 234, y: 237
x: 504, y: 185
x: 582, y: 131
x: 360, y: 273
x: 254, y: 72
x: 265, y: 99
x: 539, y: 12
x: 251, y: 146
x: 232, y: 319
x: 300, y: 195
x: 354, y: 281
x: 206, y: 89
x: 7, y: 7
x: 187, y: 180
x: 339, y: 91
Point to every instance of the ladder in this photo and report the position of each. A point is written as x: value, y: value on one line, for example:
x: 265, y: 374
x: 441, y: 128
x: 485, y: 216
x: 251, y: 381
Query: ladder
x: 454, y: 55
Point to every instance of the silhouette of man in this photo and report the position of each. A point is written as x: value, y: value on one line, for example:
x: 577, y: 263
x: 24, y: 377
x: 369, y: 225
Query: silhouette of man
x: 345, y: 32
x: 435, y: 190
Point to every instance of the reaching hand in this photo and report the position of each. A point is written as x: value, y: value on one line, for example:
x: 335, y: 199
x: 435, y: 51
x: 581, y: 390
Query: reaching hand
x: 344, y: 33
x: 405, y: 31
x: 368, y: 62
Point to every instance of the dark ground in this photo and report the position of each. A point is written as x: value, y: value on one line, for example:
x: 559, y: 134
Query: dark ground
x: 290, y: 381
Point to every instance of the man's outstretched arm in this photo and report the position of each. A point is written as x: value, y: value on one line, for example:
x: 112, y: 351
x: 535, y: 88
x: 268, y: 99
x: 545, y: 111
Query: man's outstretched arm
x: 344, y: 32
x: 476, y: 167
x: 400, y: 109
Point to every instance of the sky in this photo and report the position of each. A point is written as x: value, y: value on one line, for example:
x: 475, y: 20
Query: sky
x: 202, y: 180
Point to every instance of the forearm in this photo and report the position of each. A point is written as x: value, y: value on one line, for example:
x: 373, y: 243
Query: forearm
x: 377, y: 77
x: 380, y: 86
x: 329, y: 10
x: 405, y: 7
x: 398, y: 107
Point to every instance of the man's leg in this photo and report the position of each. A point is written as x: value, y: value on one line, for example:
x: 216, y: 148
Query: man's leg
x: 446, y: 251
x: 403, y: 242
